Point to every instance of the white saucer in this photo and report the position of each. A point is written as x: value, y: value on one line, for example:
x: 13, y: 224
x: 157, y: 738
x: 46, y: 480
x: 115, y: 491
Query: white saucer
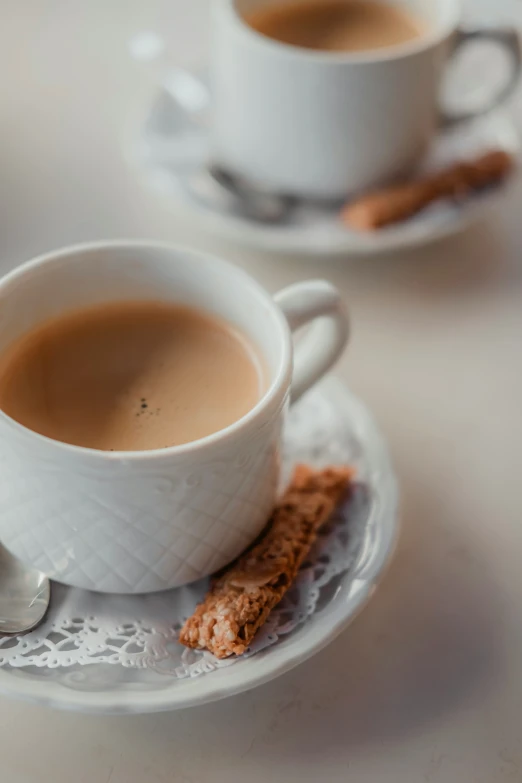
x: 119, y: 654
x: 172, y: 147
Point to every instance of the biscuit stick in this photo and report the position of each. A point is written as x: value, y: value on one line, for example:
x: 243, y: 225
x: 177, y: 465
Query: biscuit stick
x: 242, y: 597
x: 393, y: 204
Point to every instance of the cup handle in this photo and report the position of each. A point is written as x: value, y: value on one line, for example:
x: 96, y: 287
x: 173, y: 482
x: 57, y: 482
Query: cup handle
x: 507, y: 38
x: 319, y: 302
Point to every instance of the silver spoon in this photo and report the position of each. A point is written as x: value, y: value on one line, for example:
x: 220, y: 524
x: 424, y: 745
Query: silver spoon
x: 256, y: 203
x: 226, y: 193
x: 24, y: 595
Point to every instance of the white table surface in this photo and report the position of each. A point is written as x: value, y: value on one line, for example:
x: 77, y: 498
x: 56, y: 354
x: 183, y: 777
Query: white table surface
x: 427, y: 684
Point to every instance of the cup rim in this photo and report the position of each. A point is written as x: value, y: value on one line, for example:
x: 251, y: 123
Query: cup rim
x: 386, y: 54
x: 275, y: 395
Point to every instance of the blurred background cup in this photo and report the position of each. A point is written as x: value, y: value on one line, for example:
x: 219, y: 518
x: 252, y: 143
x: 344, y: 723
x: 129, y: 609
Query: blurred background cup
x: 322, y: 124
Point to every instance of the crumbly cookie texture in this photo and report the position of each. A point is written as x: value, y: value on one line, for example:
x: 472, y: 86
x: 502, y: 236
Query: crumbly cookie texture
x: 393, y: 204
x: 242, y: 596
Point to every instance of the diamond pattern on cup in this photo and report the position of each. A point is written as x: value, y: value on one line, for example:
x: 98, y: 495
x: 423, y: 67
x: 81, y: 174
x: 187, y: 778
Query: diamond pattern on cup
x: 107, y: 535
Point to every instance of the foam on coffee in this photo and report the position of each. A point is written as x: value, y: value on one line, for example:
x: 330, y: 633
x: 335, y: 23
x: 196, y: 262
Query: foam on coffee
x: 130, y: 376
x: 335, y: 25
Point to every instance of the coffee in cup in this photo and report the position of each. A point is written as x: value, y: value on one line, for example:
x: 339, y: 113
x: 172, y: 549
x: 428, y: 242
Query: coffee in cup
x: 336, y: 25
x: 130, y: 376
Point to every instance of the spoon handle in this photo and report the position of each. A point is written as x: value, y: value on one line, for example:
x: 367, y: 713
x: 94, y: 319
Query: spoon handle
x: 24, y: 595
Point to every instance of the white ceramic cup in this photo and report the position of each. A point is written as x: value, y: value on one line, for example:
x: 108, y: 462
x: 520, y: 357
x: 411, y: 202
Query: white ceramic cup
x: 323, y: 124
x: 136, y: 522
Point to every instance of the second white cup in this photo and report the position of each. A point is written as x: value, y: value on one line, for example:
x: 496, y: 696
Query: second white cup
x: 323, y: 124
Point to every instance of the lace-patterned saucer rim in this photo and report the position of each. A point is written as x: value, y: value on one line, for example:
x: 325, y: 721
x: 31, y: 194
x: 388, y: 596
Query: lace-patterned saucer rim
x: 315, y: 634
